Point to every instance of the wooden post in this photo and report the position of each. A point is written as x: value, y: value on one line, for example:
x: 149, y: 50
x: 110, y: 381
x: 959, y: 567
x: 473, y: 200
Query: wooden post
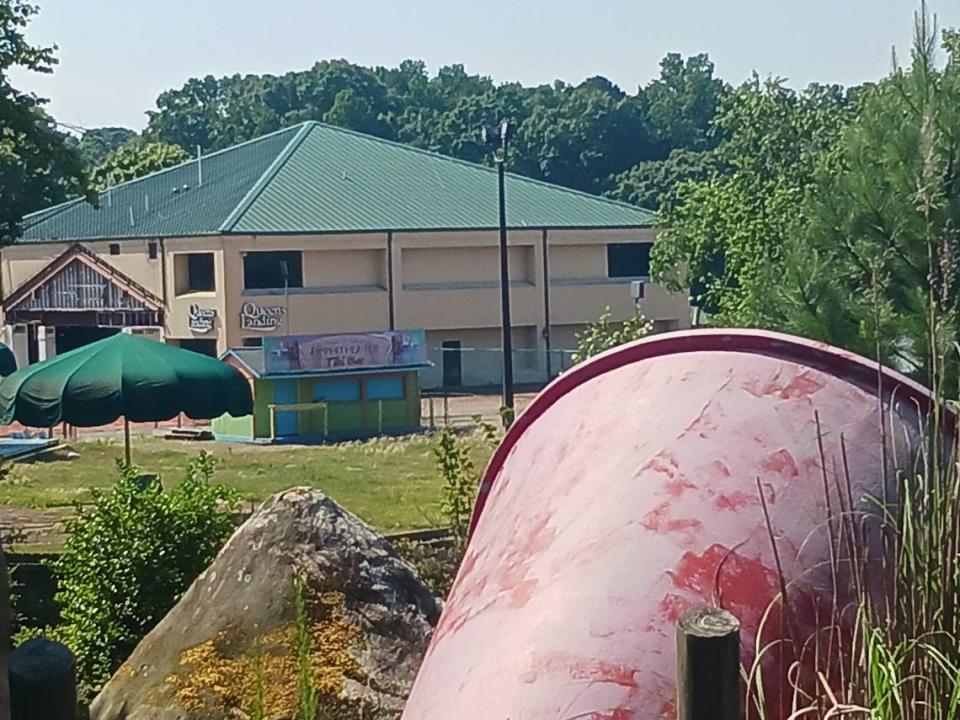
x: 708, y: 665
x: 380, y: 417
x: 446, y: 409
x: 433, y: 421
x: 43, y: 681
x: 5, y: 612
x: 126, y: 441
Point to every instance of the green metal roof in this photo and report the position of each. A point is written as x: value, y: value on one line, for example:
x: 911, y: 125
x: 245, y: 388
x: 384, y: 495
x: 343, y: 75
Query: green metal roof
x: 316, y: 178
x: 166, y: 203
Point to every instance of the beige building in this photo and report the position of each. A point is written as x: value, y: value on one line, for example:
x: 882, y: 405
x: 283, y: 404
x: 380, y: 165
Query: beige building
x: 315, y: 230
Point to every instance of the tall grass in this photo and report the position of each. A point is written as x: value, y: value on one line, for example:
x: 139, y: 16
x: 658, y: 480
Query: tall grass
x: 888, y: 646
x: 307, y: 695
x: 887, y: 643
x: 908, y: 639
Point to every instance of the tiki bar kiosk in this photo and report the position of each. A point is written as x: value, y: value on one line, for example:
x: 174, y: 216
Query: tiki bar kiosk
x: 311, y: 388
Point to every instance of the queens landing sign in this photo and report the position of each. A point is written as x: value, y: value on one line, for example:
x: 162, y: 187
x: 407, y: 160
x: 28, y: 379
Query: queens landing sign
x: 317, y: 353
x: 261, y: 317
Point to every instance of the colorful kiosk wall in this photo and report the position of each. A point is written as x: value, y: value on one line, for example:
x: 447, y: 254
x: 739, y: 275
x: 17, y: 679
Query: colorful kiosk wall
x: 312, y: 388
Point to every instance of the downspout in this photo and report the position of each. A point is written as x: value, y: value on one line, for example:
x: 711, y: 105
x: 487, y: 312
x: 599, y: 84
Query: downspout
x: 163, y: 287
x: 391, y: 308
x: 546, y: 303
x: 7, y: 327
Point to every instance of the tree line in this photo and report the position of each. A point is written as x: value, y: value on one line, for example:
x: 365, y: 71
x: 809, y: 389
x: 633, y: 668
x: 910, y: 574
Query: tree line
x: 584, y: 137
x: 833, y: 215
x: 814, y: 211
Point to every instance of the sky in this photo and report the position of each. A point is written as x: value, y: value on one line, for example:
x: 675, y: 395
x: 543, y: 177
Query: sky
x: 116, y: 56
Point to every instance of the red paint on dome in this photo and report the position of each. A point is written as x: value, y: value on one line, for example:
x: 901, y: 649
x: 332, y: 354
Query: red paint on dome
x: 657, y: 521
x: 618, y: 714
x: 780, y: 462
x: 800, y: 386
x: 735, y: 501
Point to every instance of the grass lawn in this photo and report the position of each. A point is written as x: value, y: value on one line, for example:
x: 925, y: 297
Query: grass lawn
x: 392, y: 483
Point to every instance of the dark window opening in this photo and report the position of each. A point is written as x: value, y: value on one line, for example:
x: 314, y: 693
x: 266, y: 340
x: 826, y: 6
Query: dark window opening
x: 273, y: 270
x: 114, y: 248
x: 628, y: 260
x: 253, y: 342
x: 33, y: 344
x: 71, y: 337
x: 200, y: 271
x: 452, y: 363
x: 152, y: 251
x: 198, y: 345
x: 660, y: 326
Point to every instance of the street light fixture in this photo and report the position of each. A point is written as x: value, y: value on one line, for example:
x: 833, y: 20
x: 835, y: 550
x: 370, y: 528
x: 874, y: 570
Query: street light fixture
x: 498, y: 138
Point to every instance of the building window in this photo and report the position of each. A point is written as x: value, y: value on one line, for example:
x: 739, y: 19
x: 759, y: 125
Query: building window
x: 152, y: 251
x: 193, y: 272
x: 627, y: 260
x: 385, y: 388
x: 253, y: 342
x: 273, y: 270
x: 114, y: 248
x: 200, y: 272
x: 336, y: 391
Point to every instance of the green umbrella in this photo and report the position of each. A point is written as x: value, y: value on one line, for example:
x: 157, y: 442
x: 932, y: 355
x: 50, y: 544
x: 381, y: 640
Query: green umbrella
x: 123, y: 376
x: 8, y: 363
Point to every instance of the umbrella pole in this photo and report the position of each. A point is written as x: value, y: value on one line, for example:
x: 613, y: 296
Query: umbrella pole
x: 126, y: 440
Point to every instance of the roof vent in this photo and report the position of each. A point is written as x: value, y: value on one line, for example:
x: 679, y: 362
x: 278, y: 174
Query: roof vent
x: 185, y: 187
x: 175, y: 191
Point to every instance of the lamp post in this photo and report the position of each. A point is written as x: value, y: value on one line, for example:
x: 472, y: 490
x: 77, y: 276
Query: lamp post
x: 498, y: 137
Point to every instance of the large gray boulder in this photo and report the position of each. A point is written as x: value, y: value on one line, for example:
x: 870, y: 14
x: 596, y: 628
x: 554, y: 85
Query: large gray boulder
x: 228, y: 648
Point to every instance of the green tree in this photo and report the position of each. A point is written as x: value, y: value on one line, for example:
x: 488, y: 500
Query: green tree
x: 457, y: 131
x: 725, y: 234
x: 682, y: 103
x: 582, y: 137
x: 187, y: 116
x: 38, y: 166
x: 653, y: 182
x: 97, y: 143
x: 351, y: 109
x: 879, y: 251
x: 134, y: 160
x: 605, y: 334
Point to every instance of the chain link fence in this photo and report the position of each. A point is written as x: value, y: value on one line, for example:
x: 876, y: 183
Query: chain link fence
x: 465, y: 383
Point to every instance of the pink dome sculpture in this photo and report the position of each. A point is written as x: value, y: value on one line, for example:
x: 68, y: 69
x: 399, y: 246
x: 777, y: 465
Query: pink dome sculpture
x: 630, y: 491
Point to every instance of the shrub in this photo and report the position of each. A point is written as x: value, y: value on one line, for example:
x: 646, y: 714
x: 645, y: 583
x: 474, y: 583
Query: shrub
x: 436, y: 563
x: 130, y: 556
x: 605, y: 334
x: 460, y: 483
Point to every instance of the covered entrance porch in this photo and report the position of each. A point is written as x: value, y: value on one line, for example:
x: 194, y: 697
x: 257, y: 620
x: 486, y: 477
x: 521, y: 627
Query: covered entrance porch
x: 76, y: 299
